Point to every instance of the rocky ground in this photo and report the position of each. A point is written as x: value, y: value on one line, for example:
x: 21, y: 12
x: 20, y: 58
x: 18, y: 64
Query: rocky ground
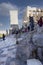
x: 17, y: 54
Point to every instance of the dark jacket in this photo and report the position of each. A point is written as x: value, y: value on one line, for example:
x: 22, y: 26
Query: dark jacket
x: 31, y: 23
x: 40, y: 22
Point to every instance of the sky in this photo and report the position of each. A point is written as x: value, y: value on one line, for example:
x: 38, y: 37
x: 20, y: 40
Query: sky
x: 7, y: 5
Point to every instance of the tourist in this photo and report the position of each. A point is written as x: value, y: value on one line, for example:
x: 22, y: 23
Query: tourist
x: 40, y: 22
x: 31, y: 23
x: 3, y: 37
x: 28, y: 28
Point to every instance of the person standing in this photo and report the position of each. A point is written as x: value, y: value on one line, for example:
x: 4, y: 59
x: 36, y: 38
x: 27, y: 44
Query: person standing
x: 40, y: 22
x: 31, y: 23
x: 3, y: 37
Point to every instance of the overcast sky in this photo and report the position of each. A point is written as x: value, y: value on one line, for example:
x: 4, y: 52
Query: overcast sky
x: 7, y: 5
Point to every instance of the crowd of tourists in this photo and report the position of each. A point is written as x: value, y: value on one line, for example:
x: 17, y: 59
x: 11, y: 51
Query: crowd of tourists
x: 30, y: 27
x: 32, y: 24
